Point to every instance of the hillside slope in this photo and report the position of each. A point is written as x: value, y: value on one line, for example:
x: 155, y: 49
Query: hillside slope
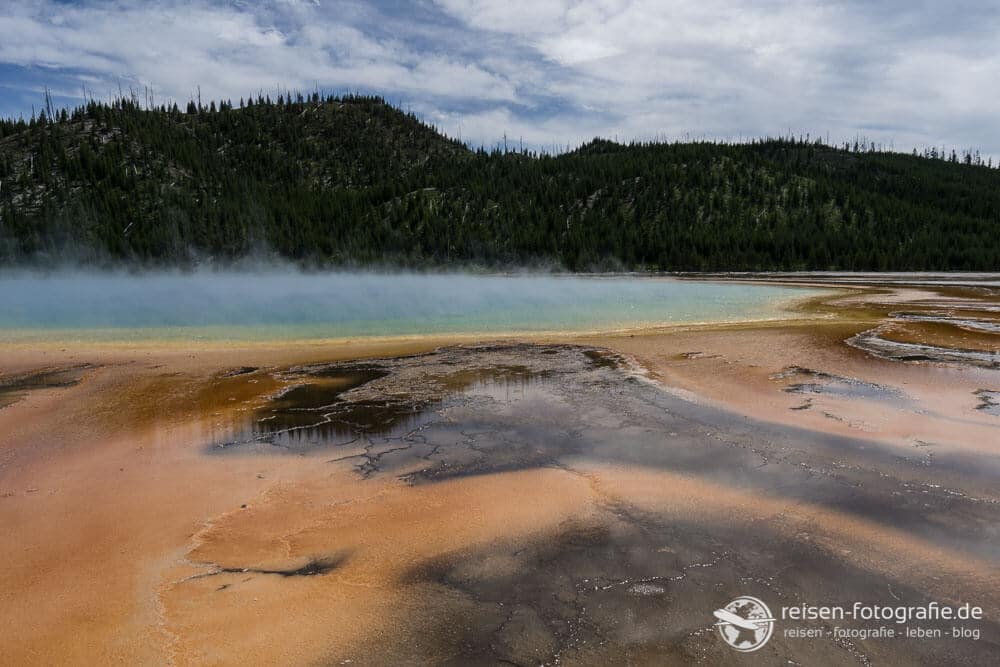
x: 353, y: 180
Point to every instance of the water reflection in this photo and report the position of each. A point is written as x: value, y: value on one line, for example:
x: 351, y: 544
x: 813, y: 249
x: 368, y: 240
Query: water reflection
x: 319, y: 408
x: 819, y: 382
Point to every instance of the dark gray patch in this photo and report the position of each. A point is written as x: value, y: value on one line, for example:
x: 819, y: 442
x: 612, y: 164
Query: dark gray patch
x: 989, y: 401
x: 603, y: 358
x: 840, y: 386
x: 13, y: 388
x: 576, y: 596
x: 315, y: 567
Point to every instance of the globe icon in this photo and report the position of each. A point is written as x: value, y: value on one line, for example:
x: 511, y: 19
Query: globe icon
x: 745, y: 623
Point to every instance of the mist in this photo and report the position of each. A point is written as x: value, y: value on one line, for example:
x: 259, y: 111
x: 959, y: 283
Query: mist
x: 283, y: 302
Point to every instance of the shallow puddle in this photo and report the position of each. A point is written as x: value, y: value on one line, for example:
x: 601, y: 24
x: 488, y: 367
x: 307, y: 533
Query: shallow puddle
x: 339, y: 404
x: 821, y: 383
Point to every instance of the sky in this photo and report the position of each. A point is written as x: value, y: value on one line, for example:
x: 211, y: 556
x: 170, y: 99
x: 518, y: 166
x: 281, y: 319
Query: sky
x: 548, y: 73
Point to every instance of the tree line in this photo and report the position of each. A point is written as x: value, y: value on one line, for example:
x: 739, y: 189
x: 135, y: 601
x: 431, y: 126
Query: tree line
x: 330, y: 180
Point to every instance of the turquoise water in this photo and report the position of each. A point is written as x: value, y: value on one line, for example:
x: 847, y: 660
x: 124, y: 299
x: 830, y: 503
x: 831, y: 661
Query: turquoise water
x: 291, y: 305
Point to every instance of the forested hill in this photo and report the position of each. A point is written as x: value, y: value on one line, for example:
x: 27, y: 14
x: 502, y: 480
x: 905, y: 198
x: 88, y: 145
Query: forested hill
x: 354, y: 181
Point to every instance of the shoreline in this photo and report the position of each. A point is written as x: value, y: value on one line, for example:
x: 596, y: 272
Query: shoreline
x: 200, y: 336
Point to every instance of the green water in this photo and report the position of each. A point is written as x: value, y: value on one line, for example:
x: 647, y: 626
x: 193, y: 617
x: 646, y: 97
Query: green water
x: 245, y: 306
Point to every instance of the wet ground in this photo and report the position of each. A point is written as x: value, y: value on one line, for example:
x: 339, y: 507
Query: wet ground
x: 950, y: 323
x: 989, y: 401
x: 969, y: 323
x: 877, y: 343
x: 636, y: 579
x: 812, y: 383
x: 13, y: 388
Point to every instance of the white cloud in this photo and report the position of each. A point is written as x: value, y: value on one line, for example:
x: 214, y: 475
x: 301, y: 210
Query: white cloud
x: 175, y: 46
x: 571, y: 50
x: 726, y: 68
x: 559, y: 70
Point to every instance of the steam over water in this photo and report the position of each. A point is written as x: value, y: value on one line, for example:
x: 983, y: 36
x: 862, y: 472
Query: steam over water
x: 289, y: 304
